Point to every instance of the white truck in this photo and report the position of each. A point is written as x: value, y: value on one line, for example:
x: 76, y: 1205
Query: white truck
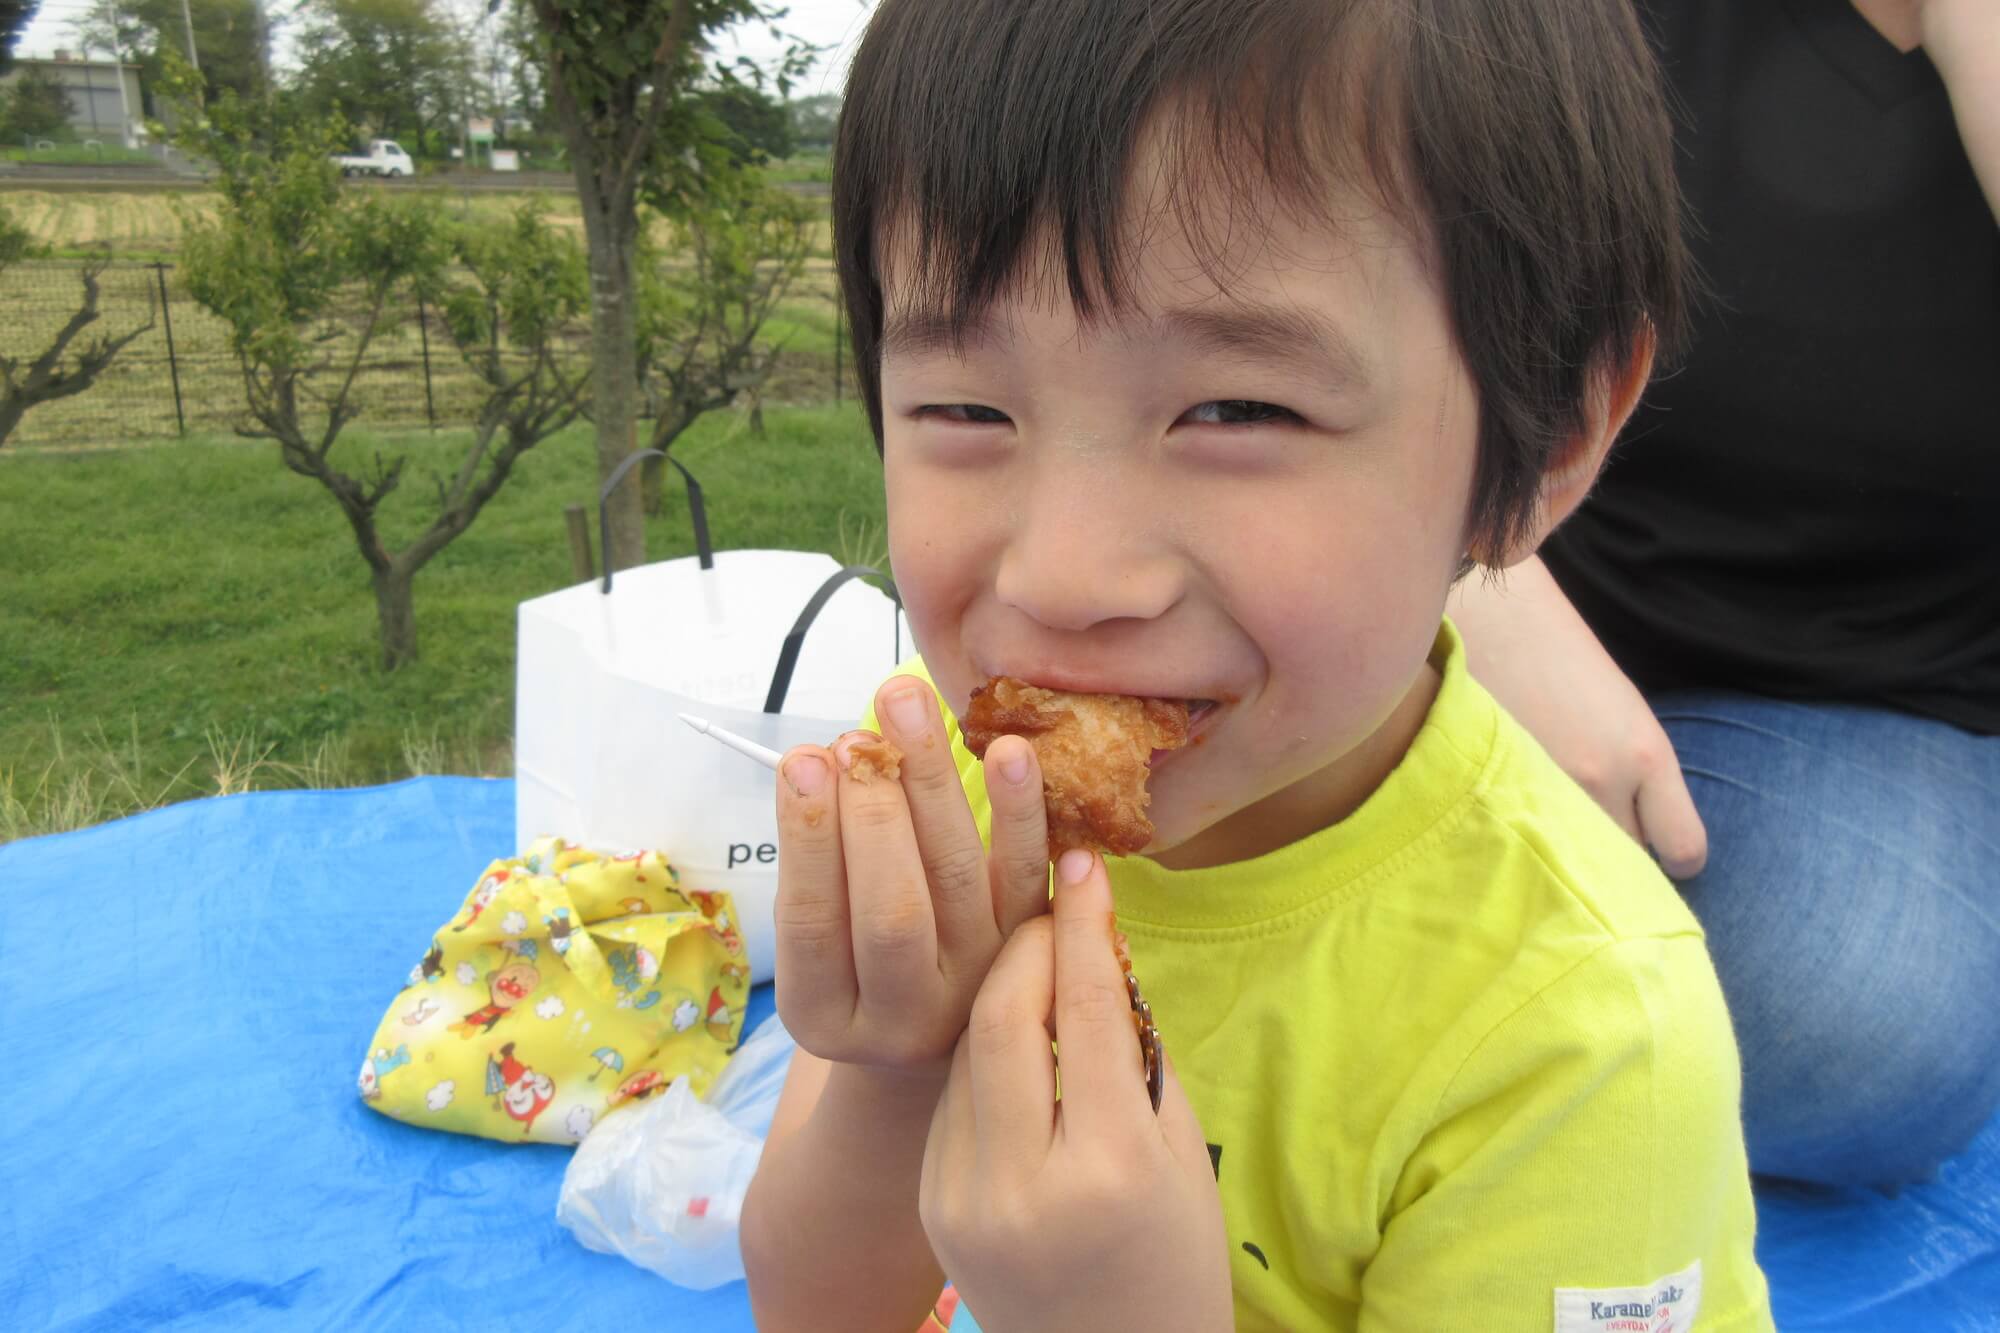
x: 385, y: 157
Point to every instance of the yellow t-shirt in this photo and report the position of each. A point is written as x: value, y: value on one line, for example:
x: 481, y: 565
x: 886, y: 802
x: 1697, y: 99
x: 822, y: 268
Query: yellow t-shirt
x: 1461, y: 1059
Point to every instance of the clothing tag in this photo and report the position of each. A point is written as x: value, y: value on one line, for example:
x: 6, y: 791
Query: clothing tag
x: 1664, y: 1305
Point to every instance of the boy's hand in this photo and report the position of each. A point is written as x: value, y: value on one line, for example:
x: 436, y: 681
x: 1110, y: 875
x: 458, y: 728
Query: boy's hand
x: 1088, y: 1213
x: 889, y: 911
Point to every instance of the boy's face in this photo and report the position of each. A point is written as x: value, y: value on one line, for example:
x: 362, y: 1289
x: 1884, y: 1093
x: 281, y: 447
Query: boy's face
x: 1250, y: 489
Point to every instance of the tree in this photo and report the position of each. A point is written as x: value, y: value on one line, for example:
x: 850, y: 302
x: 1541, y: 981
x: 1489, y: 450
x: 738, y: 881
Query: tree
x: 228, y: 39
x: 304, y: 274
x: 813, y: 120
x: 622, y: 80
x: 400, y: 68
x: 39, y: 107
x: 699, y: 323
x: 750, y: 124
x: 15, y: 16
x: 64, y: 367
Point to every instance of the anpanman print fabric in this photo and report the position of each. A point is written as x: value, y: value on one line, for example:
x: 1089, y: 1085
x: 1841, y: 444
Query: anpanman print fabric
x: 570, y: 983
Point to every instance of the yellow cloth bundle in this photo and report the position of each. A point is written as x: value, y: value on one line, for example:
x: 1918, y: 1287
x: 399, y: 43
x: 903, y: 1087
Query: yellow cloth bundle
x: 568, y: 984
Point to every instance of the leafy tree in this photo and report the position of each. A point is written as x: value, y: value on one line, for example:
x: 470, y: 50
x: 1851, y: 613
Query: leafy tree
x: 750, y: 124
x: 15, y: 16
x: 813, y: 120
x: 228, y: 38
x: 304, y: 275
x: 64, y: 367
x: 623, y: 81
x: 39, y: 107
x: 699, y: 322
x: 399, y: 68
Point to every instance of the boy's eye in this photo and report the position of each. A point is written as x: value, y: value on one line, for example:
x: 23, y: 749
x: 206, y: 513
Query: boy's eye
x: 1238, y: 412
x: 970, y: 413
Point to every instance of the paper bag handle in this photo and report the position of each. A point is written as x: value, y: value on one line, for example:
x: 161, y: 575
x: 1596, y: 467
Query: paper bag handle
x: 788, y: 656
x: 697, y: 509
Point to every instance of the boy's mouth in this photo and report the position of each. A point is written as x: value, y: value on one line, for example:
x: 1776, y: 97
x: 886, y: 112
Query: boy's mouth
x: 1199, y: 712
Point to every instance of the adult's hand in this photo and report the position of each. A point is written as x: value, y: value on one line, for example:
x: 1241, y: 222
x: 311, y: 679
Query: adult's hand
x: 1529, y: 647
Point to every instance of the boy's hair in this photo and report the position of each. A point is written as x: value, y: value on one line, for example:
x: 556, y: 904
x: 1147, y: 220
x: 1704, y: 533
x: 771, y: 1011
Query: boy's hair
x: 1526, y: 143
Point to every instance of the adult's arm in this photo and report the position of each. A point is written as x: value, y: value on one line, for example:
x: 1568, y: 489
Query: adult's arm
x: 1527, y: 644
x: 1962, y: 38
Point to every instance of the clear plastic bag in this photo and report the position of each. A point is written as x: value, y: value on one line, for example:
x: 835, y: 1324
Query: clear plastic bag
x: 662, y: 1183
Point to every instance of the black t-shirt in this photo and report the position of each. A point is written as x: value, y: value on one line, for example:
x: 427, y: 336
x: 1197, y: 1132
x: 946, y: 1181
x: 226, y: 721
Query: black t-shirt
x: 1811, y: 507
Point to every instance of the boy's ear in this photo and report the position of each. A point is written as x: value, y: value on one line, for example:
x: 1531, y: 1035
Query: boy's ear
x: 1614, y: 394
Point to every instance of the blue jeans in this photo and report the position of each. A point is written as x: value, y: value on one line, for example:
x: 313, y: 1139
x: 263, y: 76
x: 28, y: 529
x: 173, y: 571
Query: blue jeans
x: 1852, y: 904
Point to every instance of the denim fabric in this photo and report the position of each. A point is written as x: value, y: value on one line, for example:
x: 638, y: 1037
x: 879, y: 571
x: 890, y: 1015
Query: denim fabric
x: 1852, y: 904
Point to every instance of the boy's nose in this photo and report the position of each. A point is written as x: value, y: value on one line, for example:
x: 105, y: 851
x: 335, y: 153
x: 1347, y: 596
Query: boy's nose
x: 1078, y: 563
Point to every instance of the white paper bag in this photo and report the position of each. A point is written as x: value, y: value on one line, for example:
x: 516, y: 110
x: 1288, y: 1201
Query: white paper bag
x: 601, y: 757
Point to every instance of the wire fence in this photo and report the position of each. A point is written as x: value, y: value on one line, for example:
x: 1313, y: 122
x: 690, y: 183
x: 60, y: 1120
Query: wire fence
x: 182, y: 377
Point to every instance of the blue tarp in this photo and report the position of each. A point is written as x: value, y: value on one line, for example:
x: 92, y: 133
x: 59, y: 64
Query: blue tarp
x: 187, y: 996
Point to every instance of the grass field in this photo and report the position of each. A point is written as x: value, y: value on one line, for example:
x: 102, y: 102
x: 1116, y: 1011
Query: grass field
x: 134, y: 399
x: 192, y: 618
x: 78, y: 155
x: 148, y: 224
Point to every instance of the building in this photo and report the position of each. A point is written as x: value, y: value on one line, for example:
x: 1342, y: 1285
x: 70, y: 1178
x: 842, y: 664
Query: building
x: 96, y: 108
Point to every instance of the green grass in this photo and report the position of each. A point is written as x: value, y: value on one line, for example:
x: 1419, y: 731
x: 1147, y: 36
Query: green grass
x: 812, y: 168
x: 79, y: 155
x: 191, y: 618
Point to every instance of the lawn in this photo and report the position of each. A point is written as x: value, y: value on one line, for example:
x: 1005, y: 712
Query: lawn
x: 191, y: 618
x: 95, y: 154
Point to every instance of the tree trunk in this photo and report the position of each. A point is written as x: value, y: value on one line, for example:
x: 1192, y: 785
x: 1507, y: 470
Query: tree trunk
x: 396, y: 607
x: 12, y: 408
x: 614, y: 358
x: 652, y: 475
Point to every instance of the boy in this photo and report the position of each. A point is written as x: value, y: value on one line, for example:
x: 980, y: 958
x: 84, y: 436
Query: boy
x: 1209, y: 343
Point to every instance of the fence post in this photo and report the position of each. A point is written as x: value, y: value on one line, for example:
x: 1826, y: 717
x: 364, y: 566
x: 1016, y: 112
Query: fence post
x: 424, y: 332
x: 173, y: 361
x: 839, y: 324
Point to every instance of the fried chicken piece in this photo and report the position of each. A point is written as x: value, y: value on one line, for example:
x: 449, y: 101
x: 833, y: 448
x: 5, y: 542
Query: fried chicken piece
x: 871, y: 757
x: 1093, y: 750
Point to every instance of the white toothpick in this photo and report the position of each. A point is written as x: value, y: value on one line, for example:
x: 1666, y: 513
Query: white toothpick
x: 768, y: 758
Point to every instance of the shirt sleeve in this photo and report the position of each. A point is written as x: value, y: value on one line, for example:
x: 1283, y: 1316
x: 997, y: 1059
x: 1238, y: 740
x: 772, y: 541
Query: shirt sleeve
x: 1591, y: 1141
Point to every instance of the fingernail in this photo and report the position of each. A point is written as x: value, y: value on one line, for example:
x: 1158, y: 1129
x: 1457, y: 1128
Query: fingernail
x: 1014, y: 769
x: 805, y: 774
x: 907, y: 711
x: 1074, y: 866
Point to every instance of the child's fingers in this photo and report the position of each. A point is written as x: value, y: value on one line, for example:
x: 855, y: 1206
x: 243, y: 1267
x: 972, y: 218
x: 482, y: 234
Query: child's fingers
x: 947, y: 839
x: 950, y: 1150
x: 1103, y: 1078
x: 1013, y: 1070
x: 815, y: 952
x: 1180, y: 1128
x: 1018, y: 865
x: 888, y: 897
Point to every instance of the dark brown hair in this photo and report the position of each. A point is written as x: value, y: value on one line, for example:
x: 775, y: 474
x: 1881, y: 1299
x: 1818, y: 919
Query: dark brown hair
x: 1526, y: 142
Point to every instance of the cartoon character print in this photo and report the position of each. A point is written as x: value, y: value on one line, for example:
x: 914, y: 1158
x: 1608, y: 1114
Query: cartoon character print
x: 719, y: 1016
x: 715, y: 906
x: 483, y: 896
x: 632, y: 968
x: 378, y: 1066
x: 430, y: 969
x: 638, y: 1087
x: 524, y: 1093
x: 559, y: 928
x: 505, y: 989
x: 737, y: 972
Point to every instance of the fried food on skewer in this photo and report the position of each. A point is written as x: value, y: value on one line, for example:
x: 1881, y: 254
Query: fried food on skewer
x: 1094, y: 750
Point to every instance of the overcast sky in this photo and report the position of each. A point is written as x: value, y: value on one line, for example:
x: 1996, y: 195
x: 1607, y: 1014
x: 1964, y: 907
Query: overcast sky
x: 835, y: 24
